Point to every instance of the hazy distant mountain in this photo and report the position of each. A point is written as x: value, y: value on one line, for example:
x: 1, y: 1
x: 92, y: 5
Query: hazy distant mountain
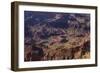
x: 42, y: 25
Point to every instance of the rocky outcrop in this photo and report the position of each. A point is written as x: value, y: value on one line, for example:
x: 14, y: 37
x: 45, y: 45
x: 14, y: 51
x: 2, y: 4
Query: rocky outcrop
x: 72, y: 52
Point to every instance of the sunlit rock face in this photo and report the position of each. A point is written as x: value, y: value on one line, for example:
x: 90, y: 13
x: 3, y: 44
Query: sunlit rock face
x: 56, y: 36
